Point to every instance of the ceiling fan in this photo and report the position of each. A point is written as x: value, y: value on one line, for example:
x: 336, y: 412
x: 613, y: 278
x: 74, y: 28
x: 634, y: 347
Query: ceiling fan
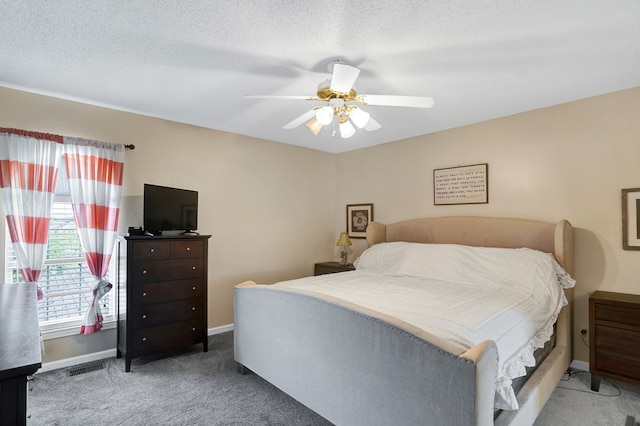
x: 342, y: 106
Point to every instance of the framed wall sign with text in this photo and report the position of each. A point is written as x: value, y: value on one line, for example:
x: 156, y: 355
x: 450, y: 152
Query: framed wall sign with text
x: 461, y: 185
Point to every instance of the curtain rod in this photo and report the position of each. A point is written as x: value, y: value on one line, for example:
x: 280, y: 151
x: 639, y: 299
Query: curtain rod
x: 47, y: 136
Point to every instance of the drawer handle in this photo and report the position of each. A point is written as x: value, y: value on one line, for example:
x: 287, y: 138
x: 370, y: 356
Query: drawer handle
x: 144, y: 317
x: 193, y: 329
x: 193, y: 267
x: 188, y: 248
x: 144, y: 294
x: 193, y: 288
x: 144, y: 272
x: 144, y: 339
x: 151, y: 250
x: 193, y: 308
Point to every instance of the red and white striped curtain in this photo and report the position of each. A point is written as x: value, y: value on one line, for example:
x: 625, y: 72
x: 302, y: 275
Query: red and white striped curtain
x: 95, y: 171
x: 28, y: 176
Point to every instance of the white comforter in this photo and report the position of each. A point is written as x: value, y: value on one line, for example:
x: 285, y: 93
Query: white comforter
x: 464, y: 294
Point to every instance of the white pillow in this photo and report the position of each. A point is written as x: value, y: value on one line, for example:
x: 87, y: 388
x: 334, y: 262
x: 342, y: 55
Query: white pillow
x: 463, y: 264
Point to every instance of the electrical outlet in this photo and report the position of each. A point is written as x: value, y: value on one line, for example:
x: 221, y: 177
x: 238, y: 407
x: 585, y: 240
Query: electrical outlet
x: 584, y: 337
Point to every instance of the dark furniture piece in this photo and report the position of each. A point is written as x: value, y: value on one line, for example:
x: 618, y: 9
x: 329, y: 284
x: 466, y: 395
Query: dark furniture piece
x: 331, y: 268
x: 20, y: 353
x: 614, y: 337
x: 162, y: 294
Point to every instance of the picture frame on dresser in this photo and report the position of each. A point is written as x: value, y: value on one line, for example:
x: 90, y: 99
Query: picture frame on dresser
x: 359, y: 216
x: 631, y: 219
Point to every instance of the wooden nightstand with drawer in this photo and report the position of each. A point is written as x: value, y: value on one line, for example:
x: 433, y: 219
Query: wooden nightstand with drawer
x: 331, y: 268
x: 614, y: 337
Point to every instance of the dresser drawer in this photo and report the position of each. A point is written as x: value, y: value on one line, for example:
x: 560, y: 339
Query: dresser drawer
x: 163, y: 313
x: 166, y: 270
x: 167, y: 336
x: 166, y: 291
x: 187, y: 248
x: 150, y: 250
x: 616, y: 363
x: 618, y: 340
x: 617, y: 314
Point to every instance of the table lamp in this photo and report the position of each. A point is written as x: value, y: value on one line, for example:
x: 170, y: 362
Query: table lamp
x: 343, y: 242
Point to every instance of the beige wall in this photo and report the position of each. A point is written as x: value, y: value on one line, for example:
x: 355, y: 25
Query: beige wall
x: 269, y: 206
x: 274, y: 209
x: 565, y: 162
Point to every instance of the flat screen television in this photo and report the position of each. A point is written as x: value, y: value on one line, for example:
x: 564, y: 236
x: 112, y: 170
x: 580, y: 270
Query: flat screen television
x: 169, y: 209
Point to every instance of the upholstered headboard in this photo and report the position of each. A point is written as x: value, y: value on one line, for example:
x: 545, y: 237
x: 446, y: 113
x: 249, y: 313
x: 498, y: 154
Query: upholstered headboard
x: 555, y: 238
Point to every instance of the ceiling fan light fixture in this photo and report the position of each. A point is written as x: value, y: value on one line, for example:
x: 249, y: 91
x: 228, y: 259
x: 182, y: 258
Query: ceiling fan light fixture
x: 346, y: 129
x: 359, y: 117
x: 324, y: 115
x: 340, y: 97
x: 314, y: 126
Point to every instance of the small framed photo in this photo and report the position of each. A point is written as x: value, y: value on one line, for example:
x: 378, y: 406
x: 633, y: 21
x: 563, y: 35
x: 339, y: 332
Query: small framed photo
x: 359, y: 216
x: 631, y: 219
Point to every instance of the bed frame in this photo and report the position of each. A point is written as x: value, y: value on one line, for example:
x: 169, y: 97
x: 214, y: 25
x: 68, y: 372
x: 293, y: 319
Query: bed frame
x: 354, y: 366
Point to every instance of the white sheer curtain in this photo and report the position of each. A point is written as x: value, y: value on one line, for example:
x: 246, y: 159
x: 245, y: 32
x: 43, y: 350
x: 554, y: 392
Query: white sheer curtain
x: 95, y: 171
x: 28, y: 175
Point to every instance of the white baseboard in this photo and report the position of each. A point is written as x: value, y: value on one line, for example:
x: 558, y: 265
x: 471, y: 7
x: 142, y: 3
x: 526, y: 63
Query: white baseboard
x: 97, y: 356
x: 579, y: 365
x: 76, y: 360
x: 219, y: 330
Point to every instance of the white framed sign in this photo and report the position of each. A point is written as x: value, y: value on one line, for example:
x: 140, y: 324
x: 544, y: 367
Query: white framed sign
x: 461, y: 185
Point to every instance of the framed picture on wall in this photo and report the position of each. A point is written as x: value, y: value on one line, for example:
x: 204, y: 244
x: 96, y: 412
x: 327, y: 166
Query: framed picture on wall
x: 461, y: 185
x: 631, y: 219
x: 359, y: 216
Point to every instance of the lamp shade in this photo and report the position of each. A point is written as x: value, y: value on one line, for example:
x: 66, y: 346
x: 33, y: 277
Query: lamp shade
x: 314, y: 126
x: 343, y: 240
x: 359, y: 117
x: 324, y: 115
x: 346, y: 129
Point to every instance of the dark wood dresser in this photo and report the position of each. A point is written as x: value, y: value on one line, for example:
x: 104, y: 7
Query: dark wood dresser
x: 20, y: 353
x: 162, y: 294
x: 614, y: 337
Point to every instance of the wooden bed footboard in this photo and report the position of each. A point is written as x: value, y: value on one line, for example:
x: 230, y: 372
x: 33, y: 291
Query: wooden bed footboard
x: 357, y: 369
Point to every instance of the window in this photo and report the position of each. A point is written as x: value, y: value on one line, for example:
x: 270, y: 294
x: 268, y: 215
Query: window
x: 65, y: 275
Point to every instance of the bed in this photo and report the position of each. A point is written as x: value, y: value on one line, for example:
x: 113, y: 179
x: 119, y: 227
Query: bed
x: 356, y: 365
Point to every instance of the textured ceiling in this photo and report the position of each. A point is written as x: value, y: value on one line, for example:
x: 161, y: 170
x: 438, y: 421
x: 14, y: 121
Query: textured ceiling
x: 193, y: 61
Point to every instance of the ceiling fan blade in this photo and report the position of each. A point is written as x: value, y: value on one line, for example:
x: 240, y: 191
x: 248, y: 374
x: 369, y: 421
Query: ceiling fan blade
x: 302, y: 119
x: 391, y: 100
x: 372, y: 125
x: 310, y: 98
x: 343, y: 78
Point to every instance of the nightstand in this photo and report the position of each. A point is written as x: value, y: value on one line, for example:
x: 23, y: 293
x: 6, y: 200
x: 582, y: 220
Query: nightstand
x: 331, y: 268
x: 614, y: 337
